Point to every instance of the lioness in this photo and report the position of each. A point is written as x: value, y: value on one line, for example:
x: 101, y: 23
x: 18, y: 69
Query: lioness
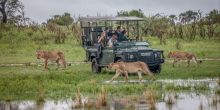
x: 129, y: 68
x: 183, y: 56
x: 53, y: 56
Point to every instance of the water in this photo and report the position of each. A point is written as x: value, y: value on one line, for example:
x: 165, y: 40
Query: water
x: 190, y: 100
x: 184, y: 101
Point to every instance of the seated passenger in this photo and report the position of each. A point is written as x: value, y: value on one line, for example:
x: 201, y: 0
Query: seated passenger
x: 108, y: 34
x: 119, y: 34
x: 112, y: 40
x: 101, y: 38
x: 125, y: 35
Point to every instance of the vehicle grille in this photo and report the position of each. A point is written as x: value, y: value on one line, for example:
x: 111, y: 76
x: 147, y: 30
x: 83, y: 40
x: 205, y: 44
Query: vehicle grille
x: 146, y: 56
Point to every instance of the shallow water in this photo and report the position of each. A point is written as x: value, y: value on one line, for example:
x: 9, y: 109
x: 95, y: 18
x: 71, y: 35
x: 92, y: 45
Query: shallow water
x: 183, y: 101
x: 210, y: 83
x: 180, y: 100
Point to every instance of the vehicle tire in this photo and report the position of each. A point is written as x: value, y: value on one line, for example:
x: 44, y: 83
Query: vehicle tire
x: 95, y: 67
x: 119, y: 60
x: 157, y: 69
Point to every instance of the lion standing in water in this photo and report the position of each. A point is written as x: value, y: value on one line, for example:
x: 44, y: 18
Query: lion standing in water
x: 130, y: 68
x: 52, y: 56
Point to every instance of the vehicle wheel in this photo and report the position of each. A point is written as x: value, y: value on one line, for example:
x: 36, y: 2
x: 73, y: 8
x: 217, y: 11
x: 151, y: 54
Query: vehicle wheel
x: 95, y: 67
x: 119, y: 60
x: 157, y: 69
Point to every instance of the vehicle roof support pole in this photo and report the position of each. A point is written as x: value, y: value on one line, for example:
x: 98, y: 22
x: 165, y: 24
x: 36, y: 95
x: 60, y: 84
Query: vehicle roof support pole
x: 91, y: 40
x: 96, y: 30
x: 137, y: 38
x: 128, y: 28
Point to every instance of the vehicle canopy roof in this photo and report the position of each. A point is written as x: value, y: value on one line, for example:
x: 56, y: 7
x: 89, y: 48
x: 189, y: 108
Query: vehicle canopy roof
x: 110, y: 18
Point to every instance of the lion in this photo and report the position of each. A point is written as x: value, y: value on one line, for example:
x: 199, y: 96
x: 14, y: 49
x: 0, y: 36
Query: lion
x: 183, y: 56
x: 52, y: 56
x: 130, y: 68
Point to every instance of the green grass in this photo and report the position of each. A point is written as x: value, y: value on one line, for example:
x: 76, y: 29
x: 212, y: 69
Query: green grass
x: 17, y: 83
x: 33, y: 82
x: 23, y: 53
x: 205, y: 69
x: 202, y: 48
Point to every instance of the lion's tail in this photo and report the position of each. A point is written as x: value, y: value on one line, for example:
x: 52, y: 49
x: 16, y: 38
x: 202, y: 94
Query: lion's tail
x: 146, y: 69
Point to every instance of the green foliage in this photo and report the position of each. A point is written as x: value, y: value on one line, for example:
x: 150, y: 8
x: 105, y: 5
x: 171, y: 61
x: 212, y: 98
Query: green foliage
x: 11, y: 10
x: 137, y: 13
x: 188, y: 16
x: 64, y: 19
x: 214, y: 16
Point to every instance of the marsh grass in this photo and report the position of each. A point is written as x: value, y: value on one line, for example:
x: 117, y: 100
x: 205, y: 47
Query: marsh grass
x: 201, y: 106
x: 78, y: 99
x: 170, y: 100
x: 40, y: 95
x: 218, y: 80
x: 150, y: 97
x: 214, y: 101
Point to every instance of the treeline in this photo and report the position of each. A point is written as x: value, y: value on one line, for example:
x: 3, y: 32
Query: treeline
x: 188, y: 25
x: 14, y: 23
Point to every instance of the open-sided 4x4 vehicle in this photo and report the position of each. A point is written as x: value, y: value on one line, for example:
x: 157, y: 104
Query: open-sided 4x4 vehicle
x: 130, y: 50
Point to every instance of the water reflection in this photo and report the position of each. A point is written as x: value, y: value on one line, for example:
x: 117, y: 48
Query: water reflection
x: 184, y: 101
x: 149, y: 100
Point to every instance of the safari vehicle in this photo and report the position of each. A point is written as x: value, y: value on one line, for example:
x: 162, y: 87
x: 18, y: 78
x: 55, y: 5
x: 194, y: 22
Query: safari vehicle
x: 130, y: 50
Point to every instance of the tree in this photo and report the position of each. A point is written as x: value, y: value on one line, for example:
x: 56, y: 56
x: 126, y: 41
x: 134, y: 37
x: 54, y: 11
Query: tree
x: 64, y: 19
x: 137, y: 13
x: 214, y: 16
x: 188, y: 16
x: 10, y: 9
x: 123, y: 13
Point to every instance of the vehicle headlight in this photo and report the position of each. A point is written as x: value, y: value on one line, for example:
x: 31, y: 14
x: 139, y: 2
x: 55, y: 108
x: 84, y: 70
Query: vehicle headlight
x: 155, y: 55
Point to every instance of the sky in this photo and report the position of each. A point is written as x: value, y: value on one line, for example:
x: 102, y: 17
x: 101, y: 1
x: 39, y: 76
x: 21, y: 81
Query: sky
x: 41, y: 10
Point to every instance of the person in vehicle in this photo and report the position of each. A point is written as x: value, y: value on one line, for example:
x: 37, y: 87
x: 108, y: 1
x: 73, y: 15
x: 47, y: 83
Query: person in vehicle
x: 125, y: 35
x: 108, y: 31
x: 119, y: 33
x: 112, y: 40
x: 101, y: 38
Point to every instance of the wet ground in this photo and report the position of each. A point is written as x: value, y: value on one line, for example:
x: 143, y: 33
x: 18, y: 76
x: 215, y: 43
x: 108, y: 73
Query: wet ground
x: 167, y: 100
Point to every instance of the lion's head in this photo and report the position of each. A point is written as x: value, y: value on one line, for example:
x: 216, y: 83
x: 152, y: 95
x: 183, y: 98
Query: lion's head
x: 110, y: 66
x: 39, y: 54
x: 169, y: 55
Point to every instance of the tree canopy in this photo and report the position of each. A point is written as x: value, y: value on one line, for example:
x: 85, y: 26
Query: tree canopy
x: 214, y: 16
x: 10, y: 9
x: 64, y: 19
x: 137, y: 13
